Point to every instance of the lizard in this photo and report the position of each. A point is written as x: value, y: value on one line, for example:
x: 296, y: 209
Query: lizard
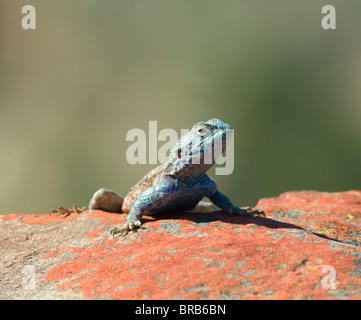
x: 177, y: 185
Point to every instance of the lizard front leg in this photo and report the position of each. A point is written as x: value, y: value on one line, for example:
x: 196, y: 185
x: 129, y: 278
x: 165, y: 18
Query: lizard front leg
x: 221, y: 201
x: 149, y: 200
x: 133, y: 222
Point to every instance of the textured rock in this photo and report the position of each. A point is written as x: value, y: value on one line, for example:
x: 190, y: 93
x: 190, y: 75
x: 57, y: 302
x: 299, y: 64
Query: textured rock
x: 305, y: 239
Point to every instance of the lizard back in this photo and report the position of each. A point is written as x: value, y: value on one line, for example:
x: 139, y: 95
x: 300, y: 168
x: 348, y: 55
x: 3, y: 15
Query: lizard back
x: 145, y: 183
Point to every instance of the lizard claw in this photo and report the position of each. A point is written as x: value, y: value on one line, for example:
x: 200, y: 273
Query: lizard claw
x: 66, y: 212
x: 247, y: 212
x: 124, y: 230
x: 257, y: 212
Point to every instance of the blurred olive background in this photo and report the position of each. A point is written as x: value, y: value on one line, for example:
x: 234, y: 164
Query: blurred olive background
x: 92, y: 70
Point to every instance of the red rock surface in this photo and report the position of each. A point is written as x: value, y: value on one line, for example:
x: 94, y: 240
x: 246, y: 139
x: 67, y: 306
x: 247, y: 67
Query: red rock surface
x: 287, y: 255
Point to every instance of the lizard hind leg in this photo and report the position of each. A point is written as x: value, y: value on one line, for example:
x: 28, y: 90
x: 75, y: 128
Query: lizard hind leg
x: 204, y: 206
x: 107, y: 200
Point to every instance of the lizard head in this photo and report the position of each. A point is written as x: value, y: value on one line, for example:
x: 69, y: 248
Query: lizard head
x: 197, y: 150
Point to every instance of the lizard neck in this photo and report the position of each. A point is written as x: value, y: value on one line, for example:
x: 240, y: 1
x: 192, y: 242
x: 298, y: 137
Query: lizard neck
x: 187, y: 175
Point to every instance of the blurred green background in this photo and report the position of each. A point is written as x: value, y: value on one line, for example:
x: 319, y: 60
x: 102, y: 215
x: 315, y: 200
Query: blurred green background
x: 92, y: 70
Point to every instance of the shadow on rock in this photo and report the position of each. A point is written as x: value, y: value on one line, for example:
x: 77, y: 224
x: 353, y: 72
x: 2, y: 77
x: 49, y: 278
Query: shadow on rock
x: 209, y: 217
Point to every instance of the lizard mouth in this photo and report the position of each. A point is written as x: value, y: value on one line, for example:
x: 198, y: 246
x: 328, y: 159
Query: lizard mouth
x: 210, y: 147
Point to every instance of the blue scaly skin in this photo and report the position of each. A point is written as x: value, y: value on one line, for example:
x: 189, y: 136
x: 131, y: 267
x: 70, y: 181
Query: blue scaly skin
x: 180, y: 184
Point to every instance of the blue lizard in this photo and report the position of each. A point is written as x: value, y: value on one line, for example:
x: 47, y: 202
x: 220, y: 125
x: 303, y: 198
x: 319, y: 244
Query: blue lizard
x: 179, y: 184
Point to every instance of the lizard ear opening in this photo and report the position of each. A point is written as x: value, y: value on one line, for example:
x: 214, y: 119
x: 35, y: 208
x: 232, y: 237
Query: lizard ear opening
x: 179, y: 153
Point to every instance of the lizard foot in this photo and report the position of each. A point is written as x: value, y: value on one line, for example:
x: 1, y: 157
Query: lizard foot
x: 247, y: 212
x: 123, y: 230
x: 61, y: 211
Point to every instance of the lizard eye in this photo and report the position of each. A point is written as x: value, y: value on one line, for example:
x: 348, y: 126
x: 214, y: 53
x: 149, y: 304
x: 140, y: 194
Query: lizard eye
x: 202, y: 131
